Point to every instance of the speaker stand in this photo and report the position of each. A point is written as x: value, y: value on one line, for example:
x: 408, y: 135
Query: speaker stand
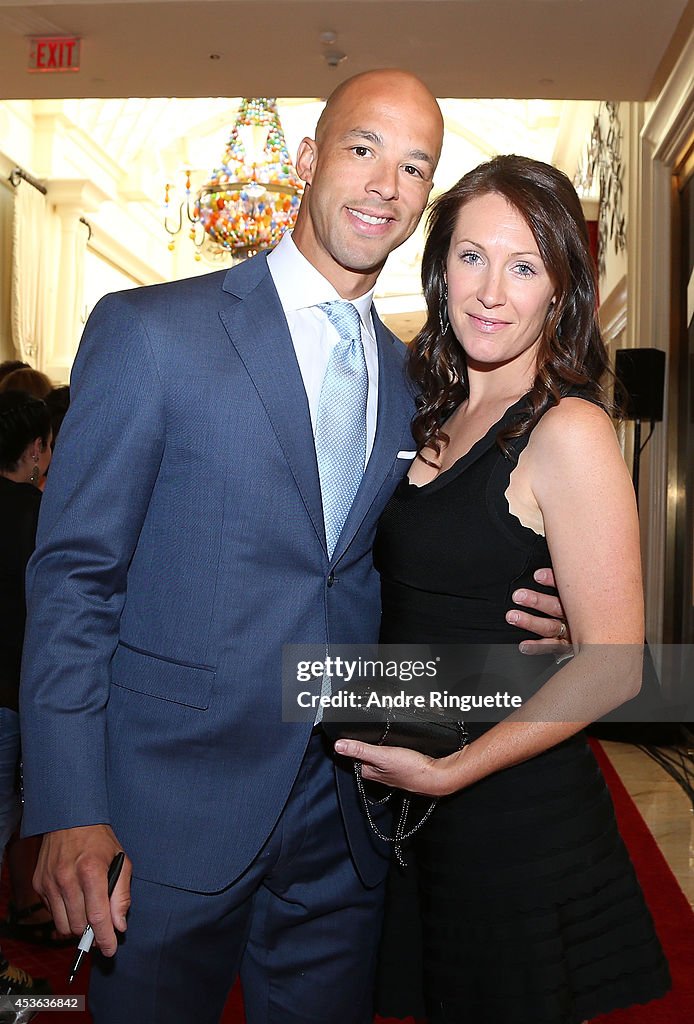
x: 636, y: 464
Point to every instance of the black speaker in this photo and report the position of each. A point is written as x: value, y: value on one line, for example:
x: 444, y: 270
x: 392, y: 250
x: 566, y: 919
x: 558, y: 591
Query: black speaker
x: 641, y: 381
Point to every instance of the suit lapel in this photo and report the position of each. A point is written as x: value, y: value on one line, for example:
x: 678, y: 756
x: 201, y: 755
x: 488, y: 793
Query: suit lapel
x: 258, y: 330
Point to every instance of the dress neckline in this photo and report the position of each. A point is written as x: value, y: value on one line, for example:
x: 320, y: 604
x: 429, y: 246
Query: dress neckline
x: 480, y: 446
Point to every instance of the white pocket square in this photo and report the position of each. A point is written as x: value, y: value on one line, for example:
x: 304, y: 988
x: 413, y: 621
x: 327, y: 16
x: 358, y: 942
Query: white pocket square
x: 406, y: 455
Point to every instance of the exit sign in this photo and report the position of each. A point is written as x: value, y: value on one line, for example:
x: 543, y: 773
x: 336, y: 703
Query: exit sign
x: 54, y: 53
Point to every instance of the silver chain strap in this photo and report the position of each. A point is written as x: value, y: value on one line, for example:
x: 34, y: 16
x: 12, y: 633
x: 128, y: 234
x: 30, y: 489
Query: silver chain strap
x: 401, y: 833
x: 400, y: 828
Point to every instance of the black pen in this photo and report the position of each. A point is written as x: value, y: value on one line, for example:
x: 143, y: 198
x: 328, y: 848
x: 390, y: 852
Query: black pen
x: 85, y: 943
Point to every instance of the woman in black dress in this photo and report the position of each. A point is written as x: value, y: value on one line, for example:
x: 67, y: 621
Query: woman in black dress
x: 530, y: 910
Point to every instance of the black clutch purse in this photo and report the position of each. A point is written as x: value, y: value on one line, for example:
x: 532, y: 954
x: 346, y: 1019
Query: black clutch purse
x: 414, y: 728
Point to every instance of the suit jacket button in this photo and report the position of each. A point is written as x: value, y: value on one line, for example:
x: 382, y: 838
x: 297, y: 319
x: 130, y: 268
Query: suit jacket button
x: 331, y: 579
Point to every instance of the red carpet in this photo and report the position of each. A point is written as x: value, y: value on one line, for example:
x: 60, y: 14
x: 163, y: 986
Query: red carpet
x: 672, y: 914
x: 673, y: 918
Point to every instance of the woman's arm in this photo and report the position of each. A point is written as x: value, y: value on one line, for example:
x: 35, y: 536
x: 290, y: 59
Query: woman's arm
x: 576, y: 472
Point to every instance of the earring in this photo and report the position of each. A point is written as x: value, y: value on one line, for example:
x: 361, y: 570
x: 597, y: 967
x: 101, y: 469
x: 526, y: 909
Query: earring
x: 443, y: 311
x: 34, y: 478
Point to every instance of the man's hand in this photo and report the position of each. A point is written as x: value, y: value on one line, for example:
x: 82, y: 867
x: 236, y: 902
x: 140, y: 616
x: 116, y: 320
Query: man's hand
x: 71, y: 878
x: 554, y: 631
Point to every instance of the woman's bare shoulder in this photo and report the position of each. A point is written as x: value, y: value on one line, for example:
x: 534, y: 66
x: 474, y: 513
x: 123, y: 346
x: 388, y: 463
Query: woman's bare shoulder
x: 572, y: 424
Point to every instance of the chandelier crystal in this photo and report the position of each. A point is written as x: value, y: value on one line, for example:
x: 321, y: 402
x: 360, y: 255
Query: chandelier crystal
x: 253, y: 197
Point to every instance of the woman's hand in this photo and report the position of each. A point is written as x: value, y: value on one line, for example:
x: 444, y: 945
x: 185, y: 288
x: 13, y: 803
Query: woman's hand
x: 401, y: 768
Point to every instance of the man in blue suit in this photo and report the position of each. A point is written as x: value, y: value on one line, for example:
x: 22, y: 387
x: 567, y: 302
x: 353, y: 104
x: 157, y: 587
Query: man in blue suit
x: 188, y: 531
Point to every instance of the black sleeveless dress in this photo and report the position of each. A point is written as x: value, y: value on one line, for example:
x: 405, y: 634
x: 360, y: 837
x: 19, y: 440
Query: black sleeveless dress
x: 519, y: 904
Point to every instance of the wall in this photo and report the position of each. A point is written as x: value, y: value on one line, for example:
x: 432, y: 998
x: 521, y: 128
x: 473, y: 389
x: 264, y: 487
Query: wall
x: 665, y: 136
x: 126, y: 243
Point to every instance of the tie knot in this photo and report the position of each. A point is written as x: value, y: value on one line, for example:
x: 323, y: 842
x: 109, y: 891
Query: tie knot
x: 344, y: 317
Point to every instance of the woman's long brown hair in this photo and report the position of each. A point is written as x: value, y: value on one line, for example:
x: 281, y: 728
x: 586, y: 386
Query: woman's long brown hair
x: 571, y: 354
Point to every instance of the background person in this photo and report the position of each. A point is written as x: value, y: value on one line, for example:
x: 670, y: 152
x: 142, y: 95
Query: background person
x: 9, y: 365
x: 27, y: 379
x: 58, y: 402
x: 25, y: 452
x: 28, y: 920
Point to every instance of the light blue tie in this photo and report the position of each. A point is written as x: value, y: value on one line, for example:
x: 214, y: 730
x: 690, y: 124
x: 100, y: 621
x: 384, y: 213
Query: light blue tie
x: 341, y: 420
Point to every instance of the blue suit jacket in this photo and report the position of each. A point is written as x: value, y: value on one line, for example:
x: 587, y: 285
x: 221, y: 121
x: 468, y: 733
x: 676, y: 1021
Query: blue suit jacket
x: 181, y: 544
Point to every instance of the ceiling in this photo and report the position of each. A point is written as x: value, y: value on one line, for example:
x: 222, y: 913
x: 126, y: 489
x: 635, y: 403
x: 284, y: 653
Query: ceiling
x: 552, y: 49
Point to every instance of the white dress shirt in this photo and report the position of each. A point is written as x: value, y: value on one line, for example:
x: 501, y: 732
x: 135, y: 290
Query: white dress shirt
x: 301, y: 288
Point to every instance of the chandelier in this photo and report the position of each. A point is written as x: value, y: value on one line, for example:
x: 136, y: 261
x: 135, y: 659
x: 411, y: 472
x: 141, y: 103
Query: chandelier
x: 251, y: 199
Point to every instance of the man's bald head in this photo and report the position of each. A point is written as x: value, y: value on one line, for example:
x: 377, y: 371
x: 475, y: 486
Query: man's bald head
x: 381, y: 84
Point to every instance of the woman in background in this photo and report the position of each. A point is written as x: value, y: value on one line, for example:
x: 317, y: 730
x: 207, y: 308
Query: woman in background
x: 25, y: 452
x: 530, y: 909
